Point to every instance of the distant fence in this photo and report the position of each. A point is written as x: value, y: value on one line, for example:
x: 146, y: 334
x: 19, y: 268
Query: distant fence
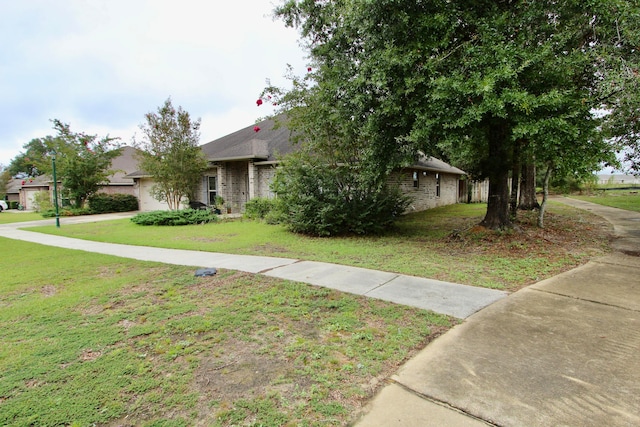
x: 474, y: 191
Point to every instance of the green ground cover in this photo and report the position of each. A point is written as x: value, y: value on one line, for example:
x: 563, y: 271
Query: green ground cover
x: 622, y: 199
x: 442, y: 243
x: 18, y: 216
x: 89, y: 339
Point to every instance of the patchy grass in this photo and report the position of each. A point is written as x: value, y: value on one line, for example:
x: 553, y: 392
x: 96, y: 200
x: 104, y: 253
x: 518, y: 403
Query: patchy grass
x: 622, y: 199
x: 441, y: 243
x: 91, y: 339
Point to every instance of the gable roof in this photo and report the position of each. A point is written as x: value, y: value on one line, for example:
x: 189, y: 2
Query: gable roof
x: 267, y: 140
x: 263, y: 141
x: 124, y: 164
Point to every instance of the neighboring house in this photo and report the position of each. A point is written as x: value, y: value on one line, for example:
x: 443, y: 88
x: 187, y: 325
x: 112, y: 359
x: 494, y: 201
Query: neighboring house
x: 243, y: 164
x: 13, y: 190
x: 24, y: 190
x: 122, y: 166
x: 618, y: 179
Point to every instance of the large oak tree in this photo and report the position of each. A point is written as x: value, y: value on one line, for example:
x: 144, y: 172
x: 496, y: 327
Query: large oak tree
x: 468, y: 80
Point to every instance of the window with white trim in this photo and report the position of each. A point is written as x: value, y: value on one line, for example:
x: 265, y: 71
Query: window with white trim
x: 212, y: 189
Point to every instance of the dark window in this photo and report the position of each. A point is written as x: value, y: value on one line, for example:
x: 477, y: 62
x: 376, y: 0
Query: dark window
x: 415, y: 179
x: 437, y: 185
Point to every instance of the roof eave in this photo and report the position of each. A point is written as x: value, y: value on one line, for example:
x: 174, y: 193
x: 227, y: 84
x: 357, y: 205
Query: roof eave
x: 454, y: 171
x: 237, y: 158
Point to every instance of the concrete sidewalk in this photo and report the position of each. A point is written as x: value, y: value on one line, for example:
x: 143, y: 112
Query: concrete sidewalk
x: 451, y: 299
x: 563, y: 352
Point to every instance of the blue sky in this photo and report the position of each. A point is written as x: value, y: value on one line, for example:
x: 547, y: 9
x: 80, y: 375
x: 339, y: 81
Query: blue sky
x: 101, y: 65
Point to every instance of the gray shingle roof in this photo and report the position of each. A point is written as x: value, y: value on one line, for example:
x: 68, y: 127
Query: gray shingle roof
x: 125, y: 164
x: 261, y: 141
x: 268, y: 140
x: 432, y: 164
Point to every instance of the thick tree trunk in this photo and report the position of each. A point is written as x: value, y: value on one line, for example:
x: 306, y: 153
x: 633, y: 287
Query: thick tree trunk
x: 497, y: 216
x: 498, y: 165
x: 528, y: 199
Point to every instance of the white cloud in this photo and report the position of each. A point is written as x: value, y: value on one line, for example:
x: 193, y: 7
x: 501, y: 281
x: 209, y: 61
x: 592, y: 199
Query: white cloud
x: 101, y: 65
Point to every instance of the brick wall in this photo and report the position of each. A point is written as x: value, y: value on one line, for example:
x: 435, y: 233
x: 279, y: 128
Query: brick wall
x: 264, y: 177
x: 422, y: 187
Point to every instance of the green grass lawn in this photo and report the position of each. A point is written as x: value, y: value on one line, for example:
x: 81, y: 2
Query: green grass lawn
x: 18, y: 216
x: 622, y: 199
x: 439, y: 243
x: 89, y: 339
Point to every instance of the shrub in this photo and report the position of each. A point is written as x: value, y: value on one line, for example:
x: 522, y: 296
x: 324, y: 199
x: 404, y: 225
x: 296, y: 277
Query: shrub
x: 51, y: 213
x: 106, y: 203
x: 259, y: 208
x: 13, y: 204
x: 181, y: 217
x: 324, y: 201
x: 42, y: 201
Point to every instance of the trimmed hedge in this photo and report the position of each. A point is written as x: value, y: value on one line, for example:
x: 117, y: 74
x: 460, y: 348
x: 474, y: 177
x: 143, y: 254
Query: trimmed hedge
x: 51, y: 213
x: 181, y: 217
x: 107, y: 203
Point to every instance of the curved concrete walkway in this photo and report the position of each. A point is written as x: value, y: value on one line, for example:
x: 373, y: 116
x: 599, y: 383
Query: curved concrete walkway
x: 562, y: 352
x: 451, y: 299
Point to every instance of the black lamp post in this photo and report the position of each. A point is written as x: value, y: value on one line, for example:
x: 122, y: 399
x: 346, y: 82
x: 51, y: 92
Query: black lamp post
x: 55, y: 189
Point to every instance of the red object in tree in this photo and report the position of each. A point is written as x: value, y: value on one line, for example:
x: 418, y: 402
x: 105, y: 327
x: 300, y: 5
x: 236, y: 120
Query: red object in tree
x: 256, y: 129
x: 309, y: 69
x: 259, y: 102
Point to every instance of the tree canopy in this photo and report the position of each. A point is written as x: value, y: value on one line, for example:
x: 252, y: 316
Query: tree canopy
x: 33, y: 161
x: 82, y: 161
x: 170, y: 153
x: 468, y: 81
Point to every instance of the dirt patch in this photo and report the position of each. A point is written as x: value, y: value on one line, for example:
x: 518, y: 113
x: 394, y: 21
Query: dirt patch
x: 127, y: 324
x: 270, y: 249
x: 89, y: 355
x: 205, y: 239
x: 240, y: 372
x: 49, y: 290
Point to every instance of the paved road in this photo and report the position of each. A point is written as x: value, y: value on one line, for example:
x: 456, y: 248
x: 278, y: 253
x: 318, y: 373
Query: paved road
x: 562, y: 352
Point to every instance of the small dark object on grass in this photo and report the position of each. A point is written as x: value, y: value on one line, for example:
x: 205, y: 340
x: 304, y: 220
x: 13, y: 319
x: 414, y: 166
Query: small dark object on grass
x: 203, y: 272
